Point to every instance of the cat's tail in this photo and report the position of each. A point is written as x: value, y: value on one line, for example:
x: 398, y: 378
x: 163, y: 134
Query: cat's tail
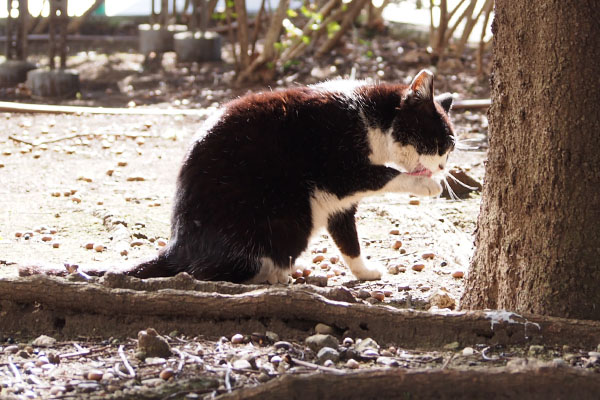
x: 160, y: 266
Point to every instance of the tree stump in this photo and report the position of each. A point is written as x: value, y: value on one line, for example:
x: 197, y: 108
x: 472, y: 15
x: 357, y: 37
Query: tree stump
x: 157, y: 38
x: 53, y: 82
x: 197, y: 46
x: 13, y: 72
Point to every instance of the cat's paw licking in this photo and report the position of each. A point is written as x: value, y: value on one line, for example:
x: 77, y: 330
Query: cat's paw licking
x: 426, y: 187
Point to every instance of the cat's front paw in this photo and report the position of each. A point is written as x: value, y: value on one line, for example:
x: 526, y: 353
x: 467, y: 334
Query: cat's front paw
x: 362, y: 271
x: 424, y: 186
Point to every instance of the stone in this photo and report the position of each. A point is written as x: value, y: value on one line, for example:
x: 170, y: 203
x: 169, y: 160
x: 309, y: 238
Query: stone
x: 328, y: 353
x: 272, y: 336
x: 283, y: 345
x: 318, y: 341
x: 152, y: 344
x: 536, y: 349
x: 242, y: 364
x: 387, y: 361
x: 317, y: 280
x: 352, y: 364
x: 365, y: 344
x: 324, y: 329
x: 238, y: 338
x: 43, y: 341
x: 442, y: 299
x: 468, y: 351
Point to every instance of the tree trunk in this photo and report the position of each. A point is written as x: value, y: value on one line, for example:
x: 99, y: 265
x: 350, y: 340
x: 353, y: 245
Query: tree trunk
x: 538, y: 239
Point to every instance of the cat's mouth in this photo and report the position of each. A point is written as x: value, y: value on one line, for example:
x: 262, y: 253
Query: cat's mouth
x: 421, y: 170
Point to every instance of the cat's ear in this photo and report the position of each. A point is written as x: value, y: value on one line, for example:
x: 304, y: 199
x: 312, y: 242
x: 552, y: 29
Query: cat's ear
x: 421, y: 88
x: 445, y: 101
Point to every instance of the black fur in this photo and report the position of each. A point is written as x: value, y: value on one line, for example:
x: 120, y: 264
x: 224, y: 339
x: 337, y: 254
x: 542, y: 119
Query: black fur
x: 244, y: 189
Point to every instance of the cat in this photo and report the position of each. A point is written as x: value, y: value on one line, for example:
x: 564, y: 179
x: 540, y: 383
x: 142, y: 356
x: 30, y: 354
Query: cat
x: 272, y: 169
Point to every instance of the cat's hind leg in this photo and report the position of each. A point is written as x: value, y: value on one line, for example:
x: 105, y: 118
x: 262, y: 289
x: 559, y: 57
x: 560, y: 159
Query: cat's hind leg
x: 342, y: 228
x: 270, y: 272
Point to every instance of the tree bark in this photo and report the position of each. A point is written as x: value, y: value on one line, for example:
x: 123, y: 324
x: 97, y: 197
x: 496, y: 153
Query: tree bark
x: 538, y: 239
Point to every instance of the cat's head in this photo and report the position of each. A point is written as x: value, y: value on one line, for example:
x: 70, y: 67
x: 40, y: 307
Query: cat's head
x: 422, y: 129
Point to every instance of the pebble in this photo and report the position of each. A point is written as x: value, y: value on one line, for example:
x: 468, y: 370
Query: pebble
x: 370, y: 353
x: 306, y: 272
x: 318, y: 341
x: 44, y: 341
x: 297, y: 274
x: 378, y: 294
x: 397, y: 244
x: 136, y: 243
x: 363, y: 294
x: 323, y: 329
x: 324, y: 266
x: 348, y: 341
x: 272, y: 336
x: 414, y: 202
x: 89, y: 246
x: 387, y: 353
x: 393, y: 270
x: 387, y: 361
x: 135, y: 179
x: 458, y: 274
x: 388, y: 293
x: 99, y: 248
x: 428, y: 256
x: 122, y: 163
x: 152, y: 344
x: 18, y: 234
x: 536, y: 349
x: 166, y: 374
x: 442, y: 299
x: 238, y: 338
x: 418, y: 267
x: 403, y: 288
x: 242, y: 364
x: 46, y: 238
x: 11, y: 349
x: 329, y: 364
x: 365, y: 344
x: 56, y: 245
x: 161, y: 242
x: 468, y: 351
x: 275, y: 360
x: 328, y: 353
x: 352, y: 364
x: 334, y: 259
x: 57, y: 390
x: 318, y: 258
x: 394, y: 232
x: 300, y: 280
x: 94, y: 375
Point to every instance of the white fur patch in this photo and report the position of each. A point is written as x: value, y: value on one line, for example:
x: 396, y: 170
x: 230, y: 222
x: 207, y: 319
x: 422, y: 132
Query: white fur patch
x: 271, y: 273
x: 360, y: 270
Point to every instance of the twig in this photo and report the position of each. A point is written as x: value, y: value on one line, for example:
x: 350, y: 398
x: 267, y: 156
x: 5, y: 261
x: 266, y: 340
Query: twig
x: 181, y: 360
x: 126, y: 362
x: 485, y: 357
x: 315, y: 366
x: 14, y: 369
x: 448, y: 361
x: 83, y: 352
x: 60, y: 109
x: 227, y: 378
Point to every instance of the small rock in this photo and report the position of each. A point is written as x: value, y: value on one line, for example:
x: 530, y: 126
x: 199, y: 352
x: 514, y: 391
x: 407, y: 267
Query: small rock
x: 458, y: 274
x: 363, y: 294
x: 388, y: 293
x: 152, y: 344
x: 46, y: 238
x: 387, y: 361
x: 242, y: 364
x: 44, y: 341
x: 135, y: 243
x: 370, y: 353
x: 428, y: 256
x: 378, y: 294
x: 414, y: 202
x: 387, y: 353
x: 57, y: 390
x: 396, y: 245
x: 88, y: 387
x: 55, y: 245
x: 89, y: 246
x: 95, y: 375
x: 393, y: 270
x: 418, y: 267
x: 135, y: 179
x: 275, y: 360
x: 403, y: 288
x: 324, y: 329
x: 535, y: 349
x: 12, y: 349
x: 468, y: 351
x: 365, y: 344
x: 318, y: 341
x: 238, y: 338
x: 328, y: 353
x: 352, y: 364
x: 334, y: 259
x: 166, y: 374
x: 442, y: 299
x: 99, y: 248
x: 161, y: 242
x: 272, y: 336
x: 348, y: 341
x: 329, y: 364
x: 318, y: 258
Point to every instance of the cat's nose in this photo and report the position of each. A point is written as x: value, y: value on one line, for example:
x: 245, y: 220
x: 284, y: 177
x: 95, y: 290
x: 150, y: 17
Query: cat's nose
x: 441, y: 166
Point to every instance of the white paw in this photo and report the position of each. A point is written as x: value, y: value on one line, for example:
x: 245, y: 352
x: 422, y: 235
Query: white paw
x: 362, y: 271
x: 426, y: 187
x: 271, y: 273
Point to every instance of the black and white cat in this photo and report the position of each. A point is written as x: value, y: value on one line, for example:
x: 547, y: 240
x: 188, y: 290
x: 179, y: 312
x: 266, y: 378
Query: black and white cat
x: 274, y: 168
